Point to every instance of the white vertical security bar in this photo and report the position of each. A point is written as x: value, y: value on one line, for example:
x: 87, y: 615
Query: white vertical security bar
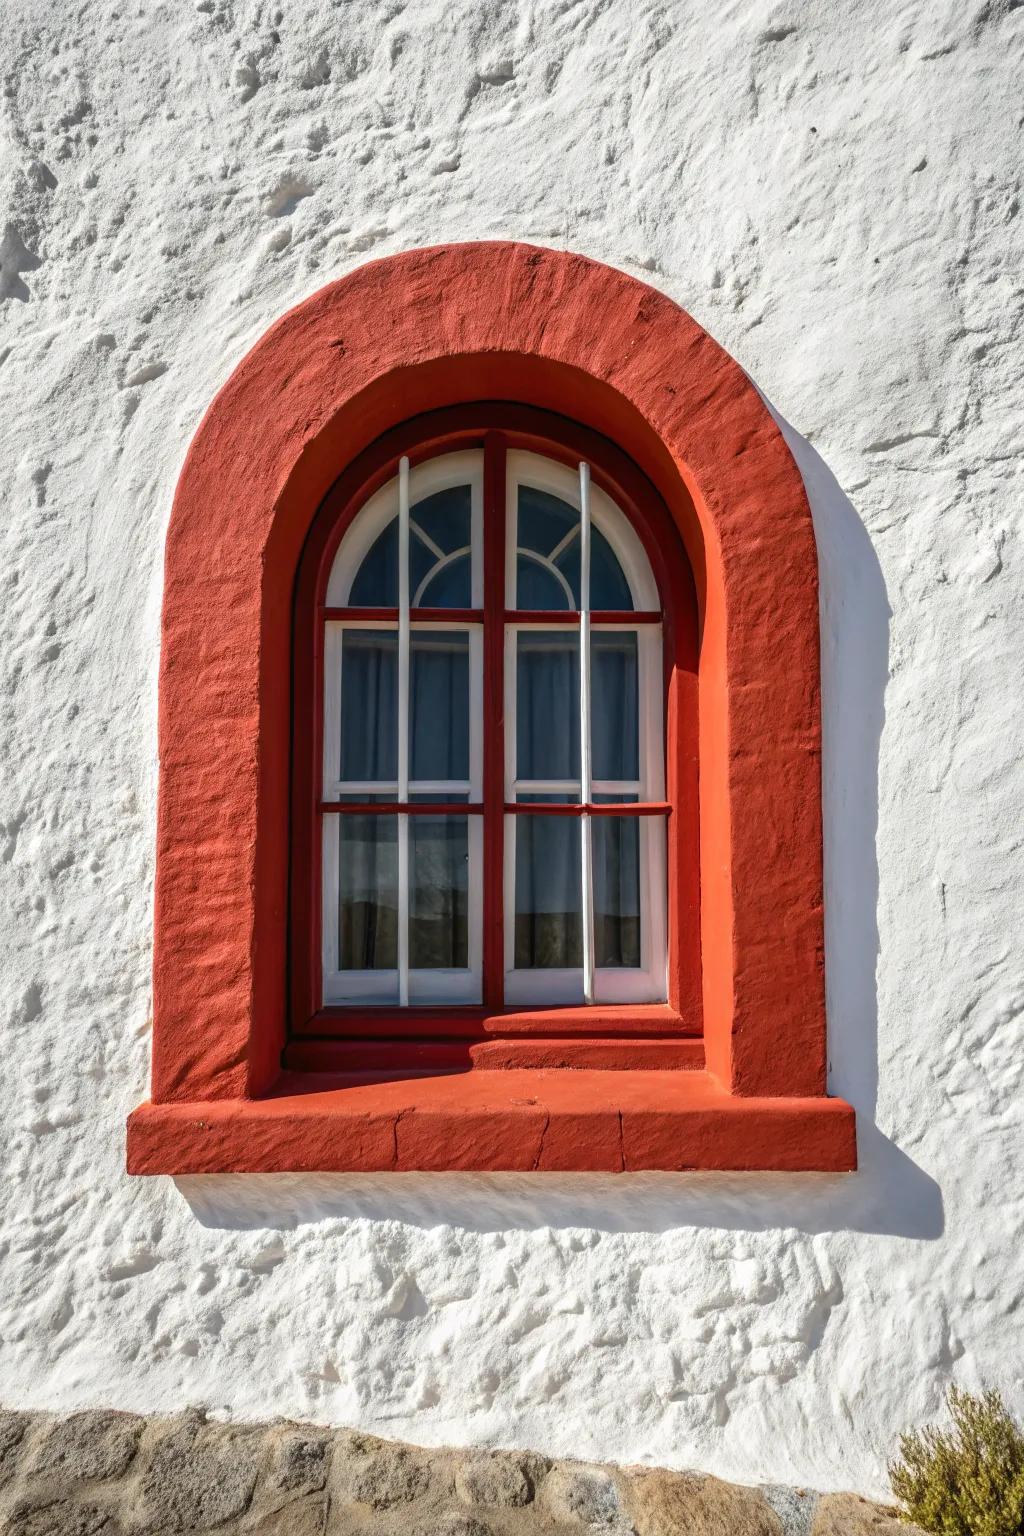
x: 585, y: 765
x: 403, y: 731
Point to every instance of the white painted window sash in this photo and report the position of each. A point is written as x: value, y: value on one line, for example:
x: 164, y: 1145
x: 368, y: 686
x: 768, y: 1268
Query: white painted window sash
x: 403, y: 731
x: 586, y: 790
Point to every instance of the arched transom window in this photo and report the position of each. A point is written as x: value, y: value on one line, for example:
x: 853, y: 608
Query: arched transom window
x: 493, y: 805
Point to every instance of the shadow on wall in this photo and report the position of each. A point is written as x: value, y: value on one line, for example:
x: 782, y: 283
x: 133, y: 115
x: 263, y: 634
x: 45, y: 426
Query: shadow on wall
x: 889, y: 1195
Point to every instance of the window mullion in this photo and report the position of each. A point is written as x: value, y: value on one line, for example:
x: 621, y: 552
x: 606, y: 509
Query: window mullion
x: 494, y: 557
x: 403, y: 731
x: 586, y: 847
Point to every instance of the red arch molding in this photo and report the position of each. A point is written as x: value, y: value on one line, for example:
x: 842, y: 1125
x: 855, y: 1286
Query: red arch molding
x: 429, y: 328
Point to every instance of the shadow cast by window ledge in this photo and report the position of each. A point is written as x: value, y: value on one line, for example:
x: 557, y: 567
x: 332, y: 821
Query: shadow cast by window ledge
x: 889, y: 1195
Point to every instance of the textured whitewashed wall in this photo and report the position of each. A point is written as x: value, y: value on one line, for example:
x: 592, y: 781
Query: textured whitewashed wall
x: 834, y: 193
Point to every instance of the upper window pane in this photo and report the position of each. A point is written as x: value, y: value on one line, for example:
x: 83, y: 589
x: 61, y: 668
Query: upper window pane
x: 614, y: 705
x: 376, y: 581
x: 547, y: 705
x: 439, y: 705
x: 369, y: 705
x: 440, y: 571
x: 548, y: 557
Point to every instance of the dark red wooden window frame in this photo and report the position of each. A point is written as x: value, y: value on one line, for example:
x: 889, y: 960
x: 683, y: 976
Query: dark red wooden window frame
x: 354, y: 1037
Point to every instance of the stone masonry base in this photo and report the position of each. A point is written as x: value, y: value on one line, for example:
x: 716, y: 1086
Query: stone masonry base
x: 116, y: 1474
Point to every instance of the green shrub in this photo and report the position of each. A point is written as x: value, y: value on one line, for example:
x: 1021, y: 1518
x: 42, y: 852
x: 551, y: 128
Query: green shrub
x: 968, y: 1480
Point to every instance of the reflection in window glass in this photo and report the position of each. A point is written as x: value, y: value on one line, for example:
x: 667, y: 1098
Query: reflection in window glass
x: 439, y: 892
x: 548, y: 905
x: 368, y: 893
x: 616, y: 855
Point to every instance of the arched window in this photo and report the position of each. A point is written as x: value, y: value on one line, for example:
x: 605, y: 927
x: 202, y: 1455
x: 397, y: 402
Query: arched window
x: 577, y: 821
x: 429, y: 744
x: 488, y: 660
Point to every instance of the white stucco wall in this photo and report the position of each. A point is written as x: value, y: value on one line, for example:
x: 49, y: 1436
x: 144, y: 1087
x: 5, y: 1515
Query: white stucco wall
x: 833, y: 191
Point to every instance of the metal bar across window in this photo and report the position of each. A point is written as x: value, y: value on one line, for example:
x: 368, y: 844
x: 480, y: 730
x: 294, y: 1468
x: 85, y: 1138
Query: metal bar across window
x: 403, y: 732
x: 586, y: 848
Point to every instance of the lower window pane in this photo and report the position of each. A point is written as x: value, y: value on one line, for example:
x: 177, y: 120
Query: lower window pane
x: 549, y: 907
x: 439, y: 893
x: 368, y: 893
x: 616, y: 856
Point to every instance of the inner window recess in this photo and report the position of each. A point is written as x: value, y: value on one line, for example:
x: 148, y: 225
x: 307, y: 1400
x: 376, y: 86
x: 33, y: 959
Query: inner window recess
x: 493, y: 807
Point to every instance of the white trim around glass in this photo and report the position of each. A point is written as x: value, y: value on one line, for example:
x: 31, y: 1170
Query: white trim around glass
x: 584, y: 892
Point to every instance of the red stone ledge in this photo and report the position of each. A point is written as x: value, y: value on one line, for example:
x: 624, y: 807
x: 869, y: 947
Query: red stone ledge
x: 494, y: 1121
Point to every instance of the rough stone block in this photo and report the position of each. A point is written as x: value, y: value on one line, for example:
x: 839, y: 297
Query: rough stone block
x: 581, y: 1496
x: 389, y: 1475
x: 13, y: 1428
x: 665, y: 1503
x: 198, y: 1476
x: 301, y: 1461
x: 88, y: 1447
x: 60, y: 1517
x: 451, y: 1524
x: 494, y: 1480
x: 845, y: 1514
x: 794, y: 1506
x: 299, y: 1517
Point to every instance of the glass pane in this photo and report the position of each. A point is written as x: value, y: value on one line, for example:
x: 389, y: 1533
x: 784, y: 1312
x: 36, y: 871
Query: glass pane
x: 440, y: 525
x: 376, y: 581
x: 545, y: 523
x: 368, y: 893
x: 548, y: 560
x: 450, y: 586
x: 549, y: 907
x: 547, y: 705
x: 615, y: 725
x: 449, y: 796
x: 567, y: 798
x: 439, y: 704
x: 616, y: 855
x: 439, y: 893
x: 608, y: 585
x: 538, y: 586
x: 444, y: 518
x: 369, y: 705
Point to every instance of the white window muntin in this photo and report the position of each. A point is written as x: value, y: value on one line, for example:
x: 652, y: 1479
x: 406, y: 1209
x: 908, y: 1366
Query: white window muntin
x: 559, y: 480
x: 590, y: 983
x: 405, y: 985
x: 440, y: 474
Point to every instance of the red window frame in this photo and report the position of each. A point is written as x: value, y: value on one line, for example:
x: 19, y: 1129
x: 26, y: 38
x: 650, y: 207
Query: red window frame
x: 354, y: 1037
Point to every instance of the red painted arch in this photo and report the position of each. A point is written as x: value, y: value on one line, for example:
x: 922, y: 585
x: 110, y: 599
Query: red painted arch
x: 397, y: 337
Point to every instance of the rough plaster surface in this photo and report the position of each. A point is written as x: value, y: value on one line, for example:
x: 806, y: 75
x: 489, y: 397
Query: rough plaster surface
x: 834, y: 192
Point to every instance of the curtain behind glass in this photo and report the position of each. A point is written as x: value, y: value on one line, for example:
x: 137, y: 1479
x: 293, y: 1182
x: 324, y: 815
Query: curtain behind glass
x: 439, y: 704
x: 369, y: 705
x: 547, y: 705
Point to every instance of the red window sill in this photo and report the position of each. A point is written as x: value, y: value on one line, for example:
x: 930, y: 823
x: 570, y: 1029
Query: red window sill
x: 492, y: 1121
